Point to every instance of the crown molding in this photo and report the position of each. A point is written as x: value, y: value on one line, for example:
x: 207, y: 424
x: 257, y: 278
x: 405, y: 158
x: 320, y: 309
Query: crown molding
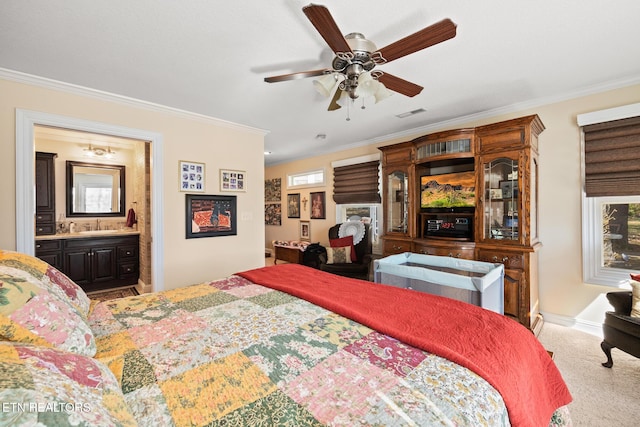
x: 487, y: 114
x: 30, y: 79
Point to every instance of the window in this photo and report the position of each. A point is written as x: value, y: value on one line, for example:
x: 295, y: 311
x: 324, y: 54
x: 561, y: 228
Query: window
x: 369, y: 213
x: 611, y: 239
x: 611, y: 196
x: 306, y: 179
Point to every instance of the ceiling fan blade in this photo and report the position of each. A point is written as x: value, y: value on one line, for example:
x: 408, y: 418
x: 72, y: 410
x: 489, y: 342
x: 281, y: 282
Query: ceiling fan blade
x: 323, y: 21
x: 399, y: 85
x: 429, y: 36
x: 333, y: 105
x: 296, y: 76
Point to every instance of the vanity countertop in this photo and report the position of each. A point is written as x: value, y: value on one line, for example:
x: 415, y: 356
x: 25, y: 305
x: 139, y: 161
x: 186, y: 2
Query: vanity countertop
x: 89, y: 234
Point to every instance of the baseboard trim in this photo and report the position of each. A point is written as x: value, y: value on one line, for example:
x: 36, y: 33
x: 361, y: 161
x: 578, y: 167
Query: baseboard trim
x: 587, y: 326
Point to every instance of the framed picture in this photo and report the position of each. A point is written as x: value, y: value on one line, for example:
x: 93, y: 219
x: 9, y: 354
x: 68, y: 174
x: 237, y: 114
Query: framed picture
x: 495, y: 193
x: 305, y: 231
x: 293, y: 205
x: 273, y: 214
x: 272, y: 188
x: 231, y: 180
x: 192, y: 176
x: 509, y: 189
x: 210, y: 216
x: 318, y: 205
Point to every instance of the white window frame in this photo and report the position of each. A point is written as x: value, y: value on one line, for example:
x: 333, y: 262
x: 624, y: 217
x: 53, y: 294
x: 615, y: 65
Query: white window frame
x: 593, y: 269
x: 291, y: 177
x: 375, y: 210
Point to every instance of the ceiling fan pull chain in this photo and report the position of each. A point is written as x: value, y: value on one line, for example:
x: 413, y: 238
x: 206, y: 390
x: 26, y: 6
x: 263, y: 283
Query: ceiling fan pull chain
x: 349, y: 101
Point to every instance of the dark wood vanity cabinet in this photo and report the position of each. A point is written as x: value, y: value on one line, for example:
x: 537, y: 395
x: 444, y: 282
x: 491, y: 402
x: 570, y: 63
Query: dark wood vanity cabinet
x: 45, y: 194
x: 94, y: 263
x: 50, y: 251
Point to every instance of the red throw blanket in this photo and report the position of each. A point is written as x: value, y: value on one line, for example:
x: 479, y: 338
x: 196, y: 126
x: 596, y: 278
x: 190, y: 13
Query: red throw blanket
x: 493, y: 346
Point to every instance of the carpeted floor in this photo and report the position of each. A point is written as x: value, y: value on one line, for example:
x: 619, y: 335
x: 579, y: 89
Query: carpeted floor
x: 601, y: 396
x: 113, y: 293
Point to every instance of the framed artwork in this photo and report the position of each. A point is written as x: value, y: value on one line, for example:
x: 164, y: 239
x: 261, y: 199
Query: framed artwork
x: 272, y: 192
x: 210, y: 216
x: 495, y: 193
x: 509, y: 189
x: 231, y: 180
x: 191, y: 176
x: 318, y: 205
x: 273, y: 214
x: 305, y: 231
x: 293, y: 205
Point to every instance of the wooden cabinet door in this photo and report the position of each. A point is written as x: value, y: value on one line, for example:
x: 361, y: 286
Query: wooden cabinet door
x: 512, y: 285
x: 77, y: 265
x: 103, y: 264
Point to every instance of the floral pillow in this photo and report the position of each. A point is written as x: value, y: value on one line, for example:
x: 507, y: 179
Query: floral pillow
x: 35, y: 310
x: 51, y: 278
x: 48, y: 387
x: 339, y: 255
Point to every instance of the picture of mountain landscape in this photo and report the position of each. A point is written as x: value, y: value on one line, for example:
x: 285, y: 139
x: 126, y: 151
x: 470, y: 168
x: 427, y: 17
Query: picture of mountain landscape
x: 448, y: 190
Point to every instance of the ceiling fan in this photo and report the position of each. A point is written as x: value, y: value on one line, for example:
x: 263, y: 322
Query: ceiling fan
x: 352, y: 69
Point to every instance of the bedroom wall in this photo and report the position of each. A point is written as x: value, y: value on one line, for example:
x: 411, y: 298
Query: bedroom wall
x: 564, y: 297
x: 216, y: 143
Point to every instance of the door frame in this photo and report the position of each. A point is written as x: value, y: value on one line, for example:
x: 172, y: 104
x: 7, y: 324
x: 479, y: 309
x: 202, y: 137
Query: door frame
x: 25, y: 179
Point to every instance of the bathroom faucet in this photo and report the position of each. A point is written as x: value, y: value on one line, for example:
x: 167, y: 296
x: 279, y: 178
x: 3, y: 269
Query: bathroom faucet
x: 98, y: 224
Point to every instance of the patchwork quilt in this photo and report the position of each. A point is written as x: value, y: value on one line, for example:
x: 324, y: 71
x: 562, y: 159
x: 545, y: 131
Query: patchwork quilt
x: 232, y: 352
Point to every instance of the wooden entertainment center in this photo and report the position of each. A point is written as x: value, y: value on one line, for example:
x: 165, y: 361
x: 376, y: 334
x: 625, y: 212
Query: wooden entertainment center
x: 470, y: 193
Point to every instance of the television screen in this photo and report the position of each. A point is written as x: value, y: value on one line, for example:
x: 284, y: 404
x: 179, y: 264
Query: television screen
x: 451, y: 190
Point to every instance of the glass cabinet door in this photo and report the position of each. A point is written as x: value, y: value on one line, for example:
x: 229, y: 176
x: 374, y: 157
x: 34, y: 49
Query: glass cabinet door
x: 501, y: 199
x: 397, y: 202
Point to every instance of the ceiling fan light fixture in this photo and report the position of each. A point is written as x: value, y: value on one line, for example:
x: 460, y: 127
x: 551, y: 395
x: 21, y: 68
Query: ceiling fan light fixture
x: 382, y: 93
x: 367, y: 85
x: 326, y: 84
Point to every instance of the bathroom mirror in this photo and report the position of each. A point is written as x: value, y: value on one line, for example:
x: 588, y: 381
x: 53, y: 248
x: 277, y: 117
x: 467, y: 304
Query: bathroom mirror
x: 95, y: 190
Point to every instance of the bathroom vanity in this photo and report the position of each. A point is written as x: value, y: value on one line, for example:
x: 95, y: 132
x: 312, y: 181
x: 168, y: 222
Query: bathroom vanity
x: 95, y: 260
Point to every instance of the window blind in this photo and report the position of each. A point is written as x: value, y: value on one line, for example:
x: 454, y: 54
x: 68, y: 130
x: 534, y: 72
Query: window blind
x: 356, y: 183
x: 612, y: 158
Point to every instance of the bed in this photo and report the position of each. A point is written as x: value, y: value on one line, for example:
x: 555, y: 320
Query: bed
x: 281, y: 345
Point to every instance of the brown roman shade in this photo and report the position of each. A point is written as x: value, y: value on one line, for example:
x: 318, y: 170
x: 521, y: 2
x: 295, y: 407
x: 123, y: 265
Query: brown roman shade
x: 356, y: 183
x: 612, y: 158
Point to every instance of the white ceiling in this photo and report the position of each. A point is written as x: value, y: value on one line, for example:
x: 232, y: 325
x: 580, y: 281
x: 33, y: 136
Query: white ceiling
x: 210, y: 57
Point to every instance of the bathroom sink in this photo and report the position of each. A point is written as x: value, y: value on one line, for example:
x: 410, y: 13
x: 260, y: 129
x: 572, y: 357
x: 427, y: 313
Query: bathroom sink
x: 97, y: 231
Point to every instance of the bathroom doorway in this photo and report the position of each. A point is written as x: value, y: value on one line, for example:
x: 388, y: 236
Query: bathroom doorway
x: 149, y: 147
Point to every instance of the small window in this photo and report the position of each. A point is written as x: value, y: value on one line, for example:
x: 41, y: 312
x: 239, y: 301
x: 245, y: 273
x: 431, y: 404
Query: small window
x: 306, y: 179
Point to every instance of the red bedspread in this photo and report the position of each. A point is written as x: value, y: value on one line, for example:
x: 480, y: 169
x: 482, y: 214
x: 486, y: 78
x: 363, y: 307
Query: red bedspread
x: 498, y: 349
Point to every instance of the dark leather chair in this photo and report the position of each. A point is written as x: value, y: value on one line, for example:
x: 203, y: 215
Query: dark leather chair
x: 358, y: 269
x: 620, y: 330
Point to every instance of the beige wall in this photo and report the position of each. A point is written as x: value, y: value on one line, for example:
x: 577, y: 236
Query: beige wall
x: 185, y: 137
x: 564, y: 298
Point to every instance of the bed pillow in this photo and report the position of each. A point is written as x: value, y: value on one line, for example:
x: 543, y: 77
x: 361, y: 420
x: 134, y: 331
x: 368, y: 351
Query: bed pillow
x: 635, y: 298
x: 50, y: 278
x: 342, y: 242
x: 48, y: 387
x: 33, y: 310
x: 339, y: 255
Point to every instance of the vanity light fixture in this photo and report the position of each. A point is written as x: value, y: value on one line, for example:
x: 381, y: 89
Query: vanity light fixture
x: 99, y: 152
